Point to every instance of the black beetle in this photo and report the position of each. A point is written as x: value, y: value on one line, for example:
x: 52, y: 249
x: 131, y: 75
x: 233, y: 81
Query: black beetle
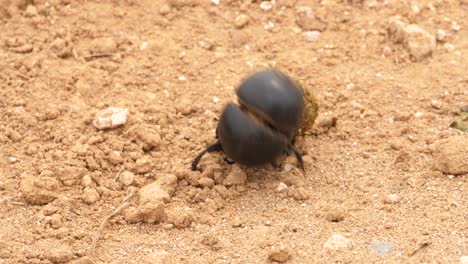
x: 264, y: 125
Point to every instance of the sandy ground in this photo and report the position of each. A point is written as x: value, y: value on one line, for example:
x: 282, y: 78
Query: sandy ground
x: 387, y: 184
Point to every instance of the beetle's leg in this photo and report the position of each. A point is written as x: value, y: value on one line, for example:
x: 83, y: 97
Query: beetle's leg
x: 211, y: 148
x: 229, y: 161
x: 298, y: 157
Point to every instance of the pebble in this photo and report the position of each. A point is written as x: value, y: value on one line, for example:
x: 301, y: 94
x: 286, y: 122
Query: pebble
x: 382, y: 248
x: 441, y: 35
x: 436, y: 104
x: 391, y: 199
x: 165, y: 9
x: 335, y: 216
x: 307, y: 21
x: 206, y: 182
x: 153, y: 193
x: 30, y: 11
x: 236, y: 176
x: 338, y: 242
x: 215, y: 2
x: 90, y: 195
x: 180, y: 217
x: 241, y: 21
x: 287, y: 168
x: 86, y: 181
x: 111, y: 117
x: 418, y: 114
x: 281, y: 187
x: 168, y: 183
x: 126, y: 178
x: 144, y: 165
x: 464, y: 108
x: 159, y: 257
x: 312, y: 35
x: 266, y: 5
x: 450, y: 155
x: 464, y: 259
x: 419, y: 42
x: 38, y: 190
x: 327, y: 122
x: 104, y: 45
x: 280, y: 255
x: 151, y: 213
x: 216, y: 100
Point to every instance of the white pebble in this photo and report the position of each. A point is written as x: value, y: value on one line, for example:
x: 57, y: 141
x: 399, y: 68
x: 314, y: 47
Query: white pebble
x: 450, y: 176
x: 111, y: 117
x: 287, y: 168
x: 269, y: 25
x: 144, y: 45
x: 216, y: 2
x: 312, y: 35
x: 182, y: 78
x: 391, y: 199
x: 281, y: 187
x: 418, y: 114
x: 464, y: 259
x: 266, y: 5
x: 216, y: 100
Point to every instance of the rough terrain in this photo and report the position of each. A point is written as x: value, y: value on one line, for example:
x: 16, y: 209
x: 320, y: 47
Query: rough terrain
x: 385, y: 184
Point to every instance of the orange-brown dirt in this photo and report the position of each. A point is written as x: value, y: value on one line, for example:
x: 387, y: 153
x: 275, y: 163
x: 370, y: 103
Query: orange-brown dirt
x: 391, y: 170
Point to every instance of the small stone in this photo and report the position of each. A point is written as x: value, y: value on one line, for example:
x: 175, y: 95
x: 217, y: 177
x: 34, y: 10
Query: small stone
x: 30, y: 11
x: 450, y: 155
x: 418, y: 114
x: 441, y: 35
x: 391, y: 199
x: 159, y: 257
x: 281, y: 187
x: 153, y: 193
x: 70, y: 175
x: 168, y: 183
x: 152, y: 213
x: 86, y: 180
x: 436, y: 104
x: 241, y: 21
x: 143, y: 165
x: 335, y: 216
x: 266, y: 5
x: 382, y: 248
x: 206, y: 44
x: 216, y: 100
x: 180, y: 217
x: 144, y: 45
x: 419, y: 42
x: 206, y: 182
x: 104, y: 45
x: 338, y: 242
x: 215, y: 2
x: 111, y: 118
x: 236, y: 176
x: 126, y: 178
x: 287, y: 168
x: 307, y: 21
x: 38, y: 190
x: 280, y: 255
x: 312, y: 35
x: 464, y: 260
x: 55, y: 221
x: 327, y: 122
x: 90, y: 195
x: 464, y: 108
x: 165, y: 9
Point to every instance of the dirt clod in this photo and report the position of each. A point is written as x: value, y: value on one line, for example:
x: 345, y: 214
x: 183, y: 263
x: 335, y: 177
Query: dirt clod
x: 280, y: 255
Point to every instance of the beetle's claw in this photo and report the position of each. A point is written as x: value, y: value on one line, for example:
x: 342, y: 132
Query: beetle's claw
x: 211, y: 148
x: 298, y: 157
x: 229, y: 161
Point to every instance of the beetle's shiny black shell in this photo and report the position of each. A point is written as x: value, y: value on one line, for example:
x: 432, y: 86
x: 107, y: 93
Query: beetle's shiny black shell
x: 247, y: 142
x: 279, y: 98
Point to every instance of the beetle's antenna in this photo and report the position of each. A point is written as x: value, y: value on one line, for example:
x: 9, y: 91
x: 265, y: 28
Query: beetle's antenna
x: 298, y: 157
x: 211, y: 148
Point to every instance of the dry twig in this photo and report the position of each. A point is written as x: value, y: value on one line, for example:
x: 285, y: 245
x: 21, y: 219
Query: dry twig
x: 123, y: 205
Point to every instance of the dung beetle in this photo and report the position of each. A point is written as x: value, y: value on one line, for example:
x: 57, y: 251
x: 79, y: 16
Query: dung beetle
x: 264, y: 124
